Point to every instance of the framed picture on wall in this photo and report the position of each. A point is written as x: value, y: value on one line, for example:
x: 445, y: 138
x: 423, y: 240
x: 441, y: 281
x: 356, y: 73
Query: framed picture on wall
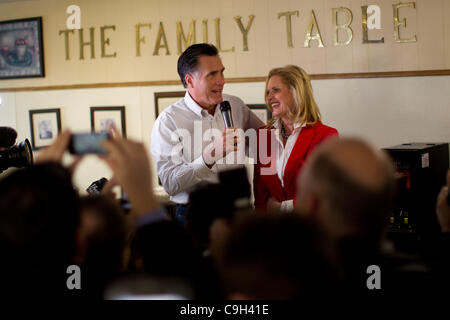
x: 165, y: 99
x: 21, y: 50
x: 261, y: 111
x: 45, y: 125
x: 102, y: 117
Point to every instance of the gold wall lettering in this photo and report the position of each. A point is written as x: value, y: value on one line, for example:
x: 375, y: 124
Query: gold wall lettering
x: 308, y: 37
x: 182, y: 39
x: 218, y: 42
x: 161, y: 36
x: 140, y: 39
x: 66, y: 41
x: 105, y: 41
x: 398, y: 24
x: 244, y: 31
x: 365, y: 30
x: 205, y: 30
x: 288, y: 15
x: 345, y: 26
x: 89, y: 43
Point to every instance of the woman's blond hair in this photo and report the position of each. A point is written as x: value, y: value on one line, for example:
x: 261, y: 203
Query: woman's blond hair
x: 305, y: 110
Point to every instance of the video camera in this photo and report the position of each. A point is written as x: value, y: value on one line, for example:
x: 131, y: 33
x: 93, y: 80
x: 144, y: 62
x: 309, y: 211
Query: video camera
x: 17, y: 156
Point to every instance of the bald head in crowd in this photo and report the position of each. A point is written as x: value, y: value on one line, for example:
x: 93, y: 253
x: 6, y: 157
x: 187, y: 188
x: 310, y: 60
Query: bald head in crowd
x: 346, y: 186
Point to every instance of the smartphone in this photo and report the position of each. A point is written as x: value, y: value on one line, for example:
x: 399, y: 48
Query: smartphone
x: 83, y: 143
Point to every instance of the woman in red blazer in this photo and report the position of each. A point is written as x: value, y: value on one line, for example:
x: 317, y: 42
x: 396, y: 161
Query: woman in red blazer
x: 289, y: 137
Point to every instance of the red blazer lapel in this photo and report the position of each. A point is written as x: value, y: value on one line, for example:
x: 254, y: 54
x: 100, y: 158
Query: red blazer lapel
x: 298, y: 154
x: 272, y: 180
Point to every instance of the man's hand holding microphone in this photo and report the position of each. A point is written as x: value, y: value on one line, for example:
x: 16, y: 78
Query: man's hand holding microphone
x: 228, y: 141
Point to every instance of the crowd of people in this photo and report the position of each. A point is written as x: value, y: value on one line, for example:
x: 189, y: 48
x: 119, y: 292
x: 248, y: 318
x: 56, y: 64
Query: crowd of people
x: 317, y: 226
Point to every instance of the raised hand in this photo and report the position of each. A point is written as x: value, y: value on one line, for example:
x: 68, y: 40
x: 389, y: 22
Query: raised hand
x: 130, y: 164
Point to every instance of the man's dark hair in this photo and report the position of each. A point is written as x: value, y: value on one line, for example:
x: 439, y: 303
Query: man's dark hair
x: 7, y: 137
x: 273, y: 257
x: 105, y: 242
x: 38, y: 221
x: 188, y: 60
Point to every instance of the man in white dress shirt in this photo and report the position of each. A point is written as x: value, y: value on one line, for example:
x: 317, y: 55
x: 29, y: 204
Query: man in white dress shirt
x: 189, y: 141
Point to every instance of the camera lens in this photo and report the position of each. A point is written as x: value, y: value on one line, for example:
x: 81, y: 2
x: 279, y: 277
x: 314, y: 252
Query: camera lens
x: 18, y: 156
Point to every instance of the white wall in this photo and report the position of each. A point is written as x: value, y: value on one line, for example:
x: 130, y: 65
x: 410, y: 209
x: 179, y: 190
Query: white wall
x: 385, y: 111
x: 388, y: 111
x: 8, y: 109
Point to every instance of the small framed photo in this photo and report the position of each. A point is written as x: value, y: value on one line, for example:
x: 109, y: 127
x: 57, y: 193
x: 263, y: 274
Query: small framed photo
x: 103, y: 117
x: 45, y: 125
x: 21, y: 50
x: 165, y: 99
x: 261, y: 112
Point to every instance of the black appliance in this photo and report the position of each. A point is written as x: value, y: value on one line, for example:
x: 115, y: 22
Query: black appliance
x: 421, y: 170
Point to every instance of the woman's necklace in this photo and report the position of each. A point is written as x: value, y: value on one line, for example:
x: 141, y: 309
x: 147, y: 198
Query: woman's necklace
x: 283, y: 133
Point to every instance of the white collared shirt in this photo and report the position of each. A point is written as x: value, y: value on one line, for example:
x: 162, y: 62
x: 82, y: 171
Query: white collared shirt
x: 283, y: 154
x: 178, y: 177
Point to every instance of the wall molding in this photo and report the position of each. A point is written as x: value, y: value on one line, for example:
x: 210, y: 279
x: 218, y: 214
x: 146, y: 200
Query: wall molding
x: 389, y: 74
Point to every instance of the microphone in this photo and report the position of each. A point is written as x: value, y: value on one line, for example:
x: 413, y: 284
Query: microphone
x: 225, y: 108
